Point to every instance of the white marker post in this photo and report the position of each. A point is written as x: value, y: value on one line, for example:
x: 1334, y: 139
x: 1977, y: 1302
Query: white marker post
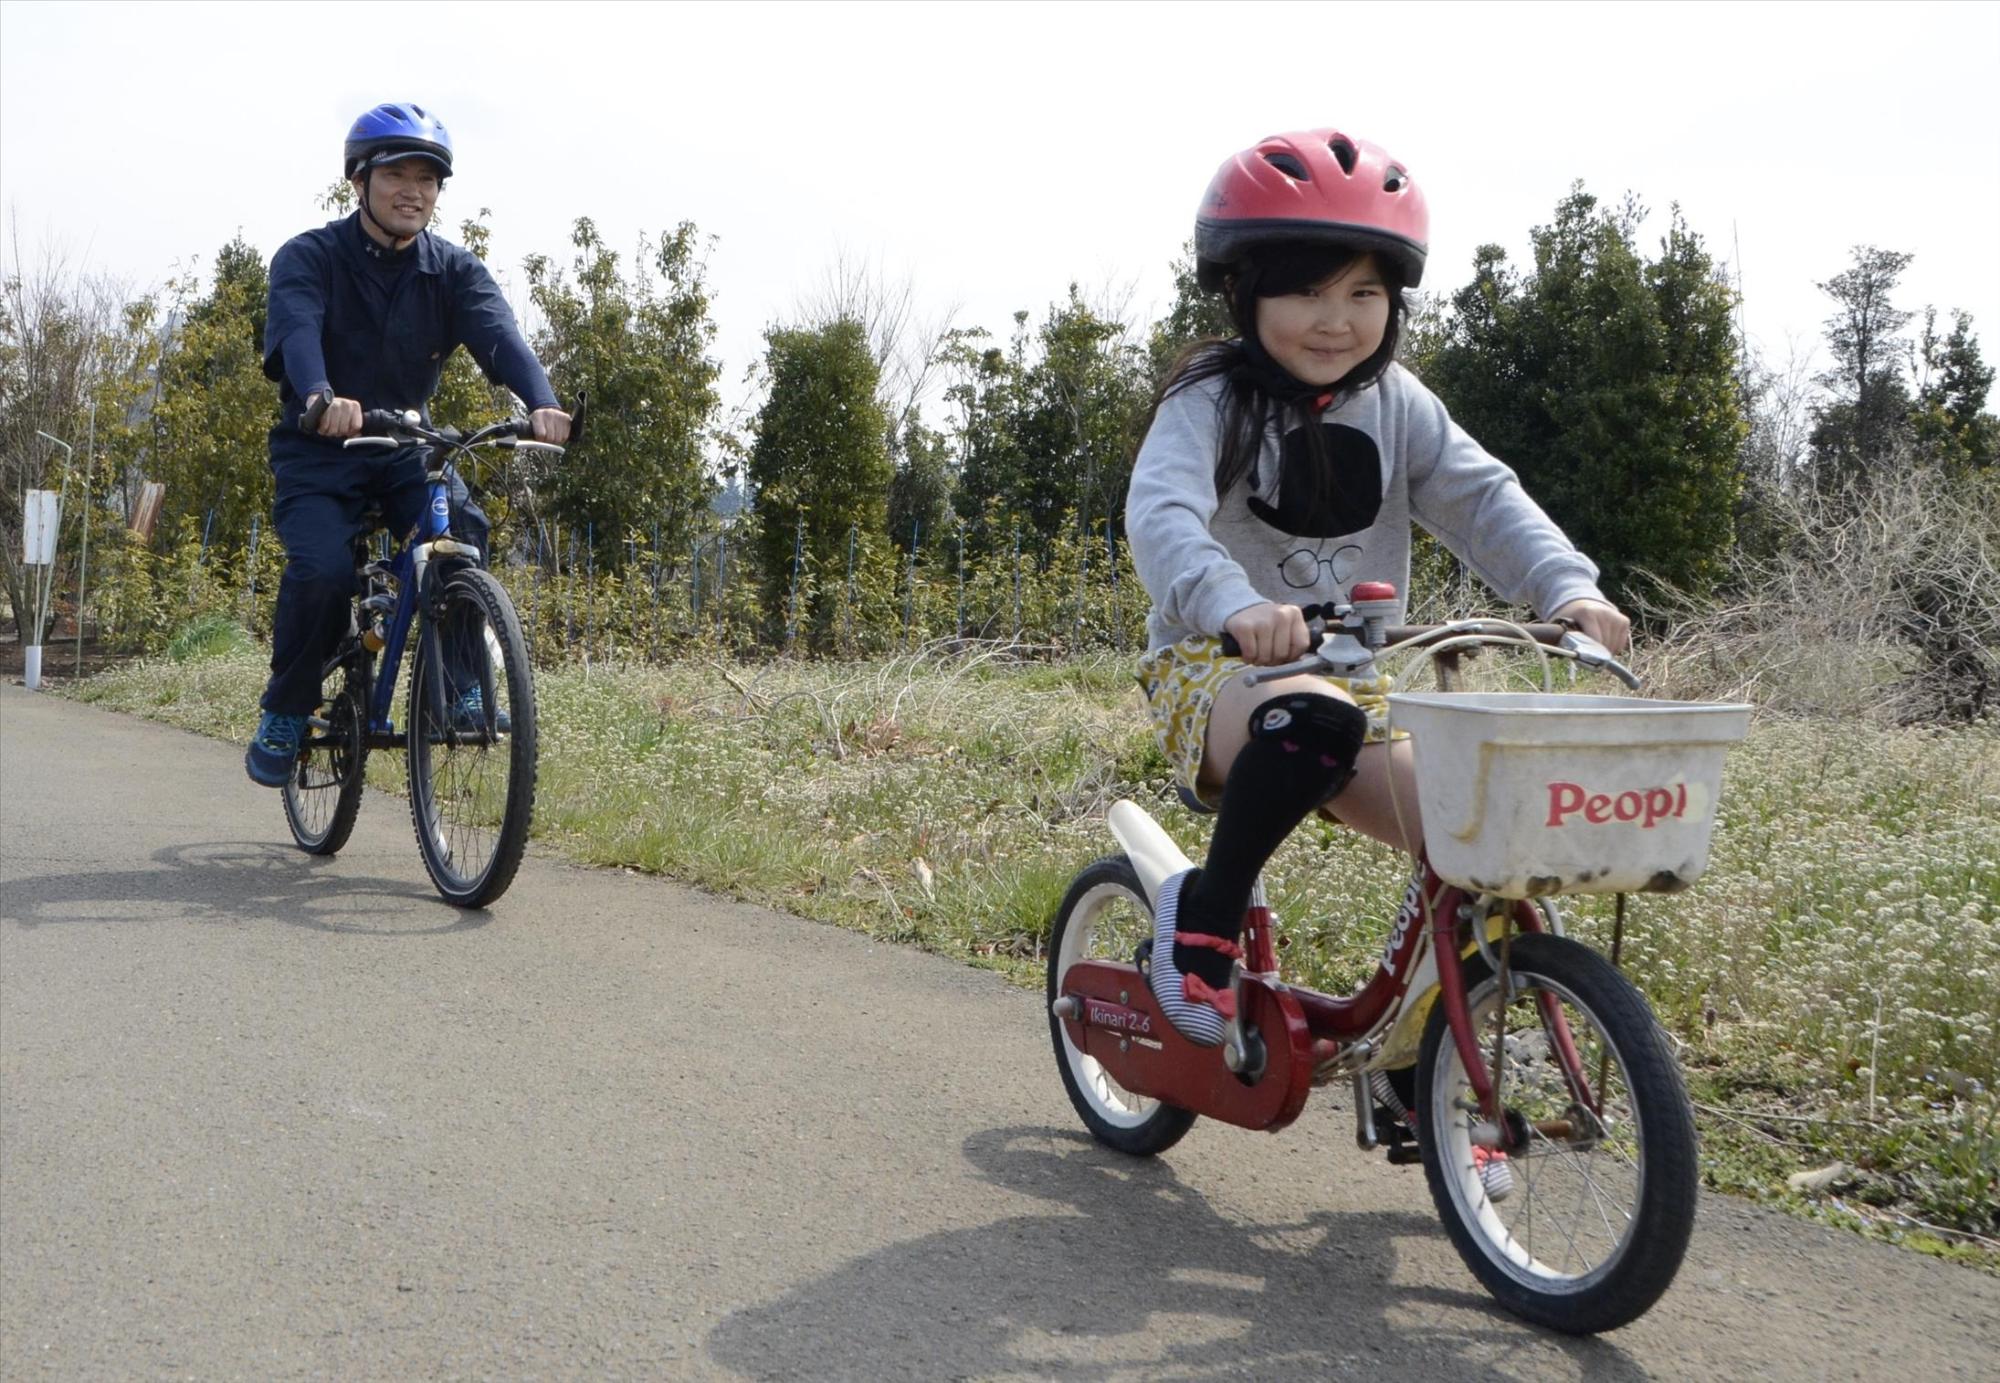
x: 41, y: 517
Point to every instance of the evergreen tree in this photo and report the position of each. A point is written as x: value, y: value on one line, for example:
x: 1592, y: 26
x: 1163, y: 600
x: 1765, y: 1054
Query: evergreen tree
x: 1195, y: 315
x: 1949, y: 421
x: 920, y: 491
x: 466, y: 399
x: 215, y: 408
x: 1865, y: 418
x: 820, y: 466
x: 1051, y: 439
x: 1610, y: 383
x: 640, y: 348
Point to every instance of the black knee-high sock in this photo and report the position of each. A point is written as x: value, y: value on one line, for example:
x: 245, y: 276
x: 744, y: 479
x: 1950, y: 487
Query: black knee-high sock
x: 1301, y: 752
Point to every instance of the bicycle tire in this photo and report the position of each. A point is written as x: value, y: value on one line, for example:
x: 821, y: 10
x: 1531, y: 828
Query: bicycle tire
x: 323, y: 793
x: 471, y: 843
x: 1116, y: 1117
x: 1643, y: 1123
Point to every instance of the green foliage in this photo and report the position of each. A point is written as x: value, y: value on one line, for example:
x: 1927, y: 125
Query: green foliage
x: 208, y: 636
x: 146, y: 594
x: 1052, y: 436
x: 466, y: 399
x: 1610, y: 383
x: 639, y: 346
x: 920, y: 492
x: 1948, y: 421
x: 1865, y: 418
x: 1195, y: 315
x: 820, y: 465
x: 215, y: 408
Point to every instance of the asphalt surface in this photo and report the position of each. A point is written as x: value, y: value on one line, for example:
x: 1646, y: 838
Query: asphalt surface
x: 264, y: 1116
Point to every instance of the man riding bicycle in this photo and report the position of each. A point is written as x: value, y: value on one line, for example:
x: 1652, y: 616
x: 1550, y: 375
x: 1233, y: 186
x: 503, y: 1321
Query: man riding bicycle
x: 363, y: 313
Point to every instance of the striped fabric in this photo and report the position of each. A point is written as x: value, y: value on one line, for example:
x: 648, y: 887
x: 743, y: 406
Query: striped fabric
x: 1198, y: 1023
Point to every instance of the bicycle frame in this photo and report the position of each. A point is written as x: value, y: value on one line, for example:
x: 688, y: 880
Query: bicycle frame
x: 409, y: 569
x: 1307, y: 1037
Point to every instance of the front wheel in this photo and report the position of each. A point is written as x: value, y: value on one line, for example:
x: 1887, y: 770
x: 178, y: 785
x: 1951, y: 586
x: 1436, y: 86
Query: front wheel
x: 1105, y: 916
x: 1583, y: 1225
x: 323, y: 794
x: 472, y: 740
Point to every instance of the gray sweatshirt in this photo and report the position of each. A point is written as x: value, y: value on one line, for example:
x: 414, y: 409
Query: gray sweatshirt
x: 1397, y: 457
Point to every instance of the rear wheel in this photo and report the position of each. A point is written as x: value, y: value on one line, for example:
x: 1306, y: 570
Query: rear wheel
x: 1585, y: 1226
x: 323, y: 795
x: 472, y: 740
x: 1105, y: 916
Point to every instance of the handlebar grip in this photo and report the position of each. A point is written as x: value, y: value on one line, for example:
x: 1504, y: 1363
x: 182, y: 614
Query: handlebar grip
x: 316, y: 407
x: 524, y: 428
x: 1315, y: 631
x: 383, y: 422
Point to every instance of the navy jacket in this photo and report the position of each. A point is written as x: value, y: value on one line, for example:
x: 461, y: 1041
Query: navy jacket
x: 377, y: 328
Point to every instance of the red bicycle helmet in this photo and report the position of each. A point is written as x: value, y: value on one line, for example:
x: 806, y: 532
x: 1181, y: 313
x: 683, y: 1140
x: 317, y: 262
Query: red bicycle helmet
x: 1311, y: 185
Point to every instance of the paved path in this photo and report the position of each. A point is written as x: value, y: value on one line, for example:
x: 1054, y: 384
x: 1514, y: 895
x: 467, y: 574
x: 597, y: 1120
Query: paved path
x: 264, y: 1116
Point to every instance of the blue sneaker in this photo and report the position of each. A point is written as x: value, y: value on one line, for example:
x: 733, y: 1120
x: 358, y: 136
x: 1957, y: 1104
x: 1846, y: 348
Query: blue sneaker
x: 468, y: 715
x: 274, y: 749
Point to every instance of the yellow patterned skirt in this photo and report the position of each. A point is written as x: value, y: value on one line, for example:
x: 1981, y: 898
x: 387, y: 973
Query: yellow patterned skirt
x: 1181, y: 682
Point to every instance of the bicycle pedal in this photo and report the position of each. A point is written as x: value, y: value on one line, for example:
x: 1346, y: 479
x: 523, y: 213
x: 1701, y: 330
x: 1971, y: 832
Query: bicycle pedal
x: 1403, y: 1154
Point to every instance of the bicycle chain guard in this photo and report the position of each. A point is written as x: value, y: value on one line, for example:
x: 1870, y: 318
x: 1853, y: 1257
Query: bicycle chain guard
x: 1120, y: 1024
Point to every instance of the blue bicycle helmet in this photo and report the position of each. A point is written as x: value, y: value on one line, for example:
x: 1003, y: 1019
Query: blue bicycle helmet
x: 397, y: 130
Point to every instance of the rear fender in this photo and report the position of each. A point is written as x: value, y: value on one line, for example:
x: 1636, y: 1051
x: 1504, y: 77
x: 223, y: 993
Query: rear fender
x: 1152, y: 851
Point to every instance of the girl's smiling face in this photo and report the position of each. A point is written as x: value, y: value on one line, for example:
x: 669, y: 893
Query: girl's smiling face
x: 1327, y: 328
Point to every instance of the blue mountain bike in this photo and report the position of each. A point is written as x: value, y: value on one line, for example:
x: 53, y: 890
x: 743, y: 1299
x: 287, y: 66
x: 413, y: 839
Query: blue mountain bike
x: 469, y: 729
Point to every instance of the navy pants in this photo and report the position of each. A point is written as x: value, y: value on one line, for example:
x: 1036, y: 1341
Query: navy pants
x: 322, y: 492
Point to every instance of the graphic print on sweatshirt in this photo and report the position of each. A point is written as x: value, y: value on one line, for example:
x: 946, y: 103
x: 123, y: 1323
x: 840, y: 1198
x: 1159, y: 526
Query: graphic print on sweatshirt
x: 1346, y: 501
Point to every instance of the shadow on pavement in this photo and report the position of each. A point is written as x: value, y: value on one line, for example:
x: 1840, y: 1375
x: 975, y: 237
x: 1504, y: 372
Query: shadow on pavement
x: 236, y: 881
x: 1135, y: 1275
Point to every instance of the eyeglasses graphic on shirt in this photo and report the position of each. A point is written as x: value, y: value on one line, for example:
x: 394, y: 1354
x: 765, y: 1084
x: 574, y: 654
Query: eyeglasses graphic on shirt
x: 1300, y: 570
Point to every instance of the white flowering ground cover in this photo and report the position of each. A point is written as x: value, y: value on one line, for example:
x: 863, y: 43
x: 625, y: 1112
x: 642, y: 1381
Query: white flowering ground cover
x: 1832, y: 983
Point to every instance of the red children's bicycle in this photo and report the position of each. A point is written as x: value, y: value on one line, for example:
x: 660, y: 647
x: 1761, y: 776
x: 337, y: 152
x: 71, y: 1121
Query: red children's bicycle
x: 1523, y: 1070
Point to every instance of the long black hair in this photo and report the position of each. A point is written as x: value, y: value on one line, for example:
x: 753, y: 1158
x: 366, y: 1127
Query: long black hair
x: 1259, y: 389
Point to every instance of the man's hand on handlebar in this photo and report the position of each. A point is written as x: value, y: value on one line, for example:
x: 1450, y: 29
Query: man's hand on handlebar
x: 1600, y: 621
x: 549, y: 425
x: 1269, y: 634
x: 332, y: 416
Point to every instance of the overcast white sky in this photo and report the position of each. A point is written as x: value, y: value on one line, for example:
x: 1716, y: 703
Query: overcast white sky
x: 994, y: 153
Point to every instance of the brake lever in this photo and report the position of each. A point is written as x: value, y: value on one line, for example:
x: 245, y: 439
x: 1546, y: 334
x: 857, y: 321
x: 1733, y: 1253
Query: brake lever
x: 1311, y: 662
x: 389, y: 442
x: 1593, y: 654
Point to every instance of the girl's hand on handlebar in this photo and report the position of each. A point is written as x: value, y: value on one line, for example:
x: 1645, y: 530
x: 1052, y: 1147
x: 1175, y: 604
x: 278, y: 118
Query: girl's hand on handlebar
x: 1602, y: 622
x: 549, y: 425
x: 1269, y: 634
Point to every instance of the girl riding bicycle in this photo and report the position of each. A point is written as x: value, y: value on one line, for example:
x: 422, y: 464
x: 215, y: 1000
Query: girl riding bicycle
x: 1280, y: 468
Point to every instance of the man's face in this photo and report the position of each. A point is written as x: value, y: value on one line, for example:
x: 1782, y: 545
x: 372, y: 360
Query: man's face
x: 402, y: 195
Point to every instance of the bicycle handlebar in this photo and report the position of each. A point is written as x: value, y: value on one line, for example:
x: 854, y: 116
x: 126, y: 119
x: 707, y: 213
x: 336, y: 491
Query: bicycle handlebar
x: 1559, y: 638
x: 1550, y: 634
x: 395, y: 424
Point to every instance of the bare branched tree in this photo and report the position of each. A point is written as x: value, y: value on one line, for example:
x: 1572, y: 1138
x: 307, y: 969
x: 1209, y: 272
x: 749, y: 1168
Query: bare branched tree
x: 1882, y: 601
x: 58, y: 325
x: 909, y: 345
